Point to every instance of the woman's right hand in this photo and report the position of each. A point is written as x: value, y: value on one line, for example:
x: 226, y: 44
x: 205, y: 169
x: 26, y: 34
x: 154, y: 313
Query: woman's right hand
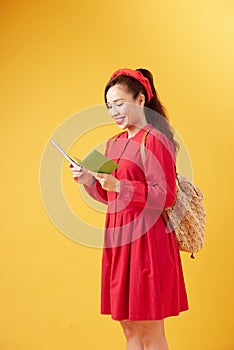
x: 82, y: 176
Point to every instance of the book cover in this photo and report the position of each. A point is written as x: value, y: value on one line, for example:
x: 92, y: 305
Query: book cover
x: 94, y: 161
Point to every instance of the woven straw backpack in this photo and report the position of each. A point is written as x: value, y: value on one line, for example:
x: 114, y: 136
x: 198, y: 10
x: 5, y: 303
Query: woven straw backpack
x: 187, y: 216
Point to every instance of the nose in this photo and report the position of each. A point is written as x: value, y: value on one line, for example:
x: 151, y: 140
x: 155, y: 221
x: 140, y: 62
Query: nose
x: 114, y: 111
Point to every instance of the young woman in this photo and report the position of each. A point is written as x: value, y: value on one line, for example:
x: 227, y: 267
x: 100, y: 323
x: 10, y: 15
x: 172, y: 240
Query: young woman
x: 142, y: 278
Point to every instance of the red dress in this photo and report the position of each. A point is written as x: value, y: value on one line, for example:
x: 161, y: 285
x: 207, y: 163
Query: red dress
x: 142, y: 276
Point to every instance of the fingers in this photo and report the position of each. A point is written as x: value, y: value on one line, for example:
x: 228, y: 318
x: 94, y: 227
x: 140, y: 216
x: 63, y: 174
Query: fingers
x: 98, y: 176
x: 76, y: 174
x: 93, y: 173
x: 107, y: 181
x: 74, y: 168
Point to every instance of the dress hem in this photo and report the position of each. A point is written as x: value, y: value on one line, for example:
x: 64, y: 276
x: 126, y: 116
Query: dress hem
x: 145, y: 319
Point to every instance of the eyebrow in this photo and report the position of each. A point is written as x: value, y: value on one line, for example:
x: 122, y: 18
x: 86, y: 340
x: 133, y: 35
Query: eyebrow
x: 118, y: 99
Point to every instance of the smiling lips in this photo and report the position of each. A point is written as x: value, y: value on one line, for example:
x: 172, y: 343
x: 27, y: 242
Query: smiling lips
x: 119, y: 120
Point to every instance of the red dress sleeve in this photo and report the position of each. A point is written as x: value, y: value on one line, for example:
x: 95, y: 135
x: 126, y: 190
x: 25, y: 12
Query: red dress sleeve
x: 97, y: 192
x: 159, y: 189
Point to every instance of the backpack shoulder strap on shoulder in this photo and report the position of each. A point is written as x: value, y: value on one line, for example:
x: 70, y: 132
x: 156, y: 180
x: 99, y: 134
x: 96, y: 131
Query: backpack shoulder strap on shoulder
x: 143, y: 145
x: 112, y: 140
x: 143, y: 153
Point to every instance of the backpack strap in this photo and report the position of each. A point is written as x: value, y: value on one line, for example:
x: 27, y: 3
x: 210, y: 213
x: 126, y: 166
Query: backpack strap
x: 143, y: 153
x: 112, y: 141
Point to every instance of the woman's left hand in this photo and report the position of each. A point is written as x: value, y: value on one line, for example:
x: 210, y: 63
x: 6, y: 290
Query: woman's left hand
x: 107, y: 181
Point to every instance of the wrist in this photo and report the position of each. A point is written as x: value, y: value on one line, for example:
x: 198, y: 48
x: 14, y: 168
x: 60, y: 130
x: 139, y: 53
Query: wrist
x: 90, y: 181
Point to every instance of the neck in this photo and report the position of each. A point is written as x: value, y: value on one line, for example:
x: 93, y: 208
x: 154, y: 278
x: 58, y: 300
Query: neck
x: 133, y: 129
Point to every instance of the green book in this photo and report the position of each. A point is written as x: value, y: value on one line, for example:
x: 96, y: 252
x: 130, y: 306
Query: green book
x: 94, y: 161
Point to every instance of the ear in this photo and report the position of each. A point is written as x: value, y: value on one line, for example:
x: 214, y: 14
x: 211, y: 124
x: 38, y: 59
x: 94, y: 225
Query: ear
x: 141, y: 100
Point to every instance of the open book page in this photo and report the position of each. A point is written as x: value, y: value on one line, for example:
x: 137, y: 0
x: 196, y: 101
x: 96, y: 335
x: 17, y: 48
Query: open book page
x: 94, y: 161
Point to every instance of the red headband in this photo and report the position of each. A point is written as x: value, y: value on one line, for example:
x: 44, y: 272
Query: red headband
x: 138, y: 76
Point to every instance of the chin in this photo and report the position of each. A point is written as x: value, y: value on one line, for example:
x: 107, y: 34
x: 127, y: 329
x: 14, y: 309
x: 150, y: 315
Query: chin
x: 122, y: 126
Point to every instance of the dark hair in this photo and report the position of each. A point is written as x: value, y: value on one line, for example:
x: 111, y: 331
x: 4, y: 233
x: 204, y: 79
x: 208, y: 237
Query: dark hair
x: 154, y: 111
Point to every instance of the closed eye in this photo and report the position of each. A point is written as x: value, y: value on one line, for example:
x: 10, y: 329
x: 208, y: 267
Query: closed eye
x: 119, y: 105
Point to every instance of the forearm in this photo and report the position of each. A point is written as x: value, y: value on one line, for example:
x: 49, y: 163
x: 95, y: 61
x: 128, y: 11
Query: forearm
x: 152, y: 196
x: 95, y: 190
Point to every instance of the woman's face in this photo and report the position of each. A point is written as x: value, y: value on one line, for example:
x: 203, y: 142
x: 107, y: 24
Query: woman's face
x: 127, y: 112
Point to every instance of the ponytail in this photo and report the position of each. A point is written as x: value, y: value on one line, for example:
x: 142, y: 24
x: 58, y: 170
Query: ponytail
x: 156, y: 113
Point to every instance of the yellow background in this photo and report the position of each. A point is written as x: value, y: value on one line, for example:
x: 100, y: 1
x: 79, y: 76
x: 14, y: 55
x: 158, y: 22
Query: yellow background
x: 56, y: 57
